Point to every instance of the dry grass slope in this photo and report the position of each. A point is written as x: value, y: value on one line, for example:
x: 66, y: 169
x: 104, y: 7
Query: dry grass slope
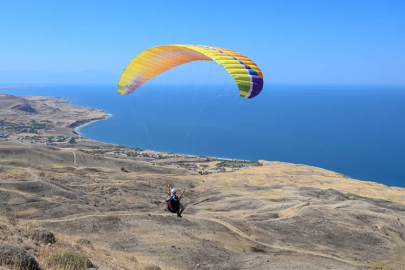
x: 280, y: 216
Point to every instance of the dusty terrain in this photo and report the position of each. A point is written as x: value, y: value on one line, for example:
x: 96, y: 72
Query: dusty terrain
x: 53, y: 111
x: 277, y: 216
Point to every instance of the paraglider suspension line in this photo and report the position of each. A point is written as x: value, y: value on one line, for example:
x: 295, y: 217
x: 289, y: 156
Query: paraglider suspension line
x: 142, y: 123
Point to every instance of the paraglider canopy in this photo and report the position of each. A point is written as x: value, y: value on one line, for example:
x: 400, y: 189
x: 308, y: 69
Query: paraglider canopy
x: 157, y: 60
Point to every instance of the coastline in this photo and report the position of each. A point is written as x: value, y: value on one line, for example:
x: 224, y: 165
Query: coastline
x: 102, y: 115
x: 76, y: 126
x: 52, y: 116
x: 76, y: 130
x: 70, y: 113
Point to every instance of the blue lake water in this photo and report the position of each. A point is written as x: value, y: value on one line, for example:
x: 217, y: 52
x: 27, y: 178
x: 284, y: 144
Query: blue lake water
x: 358, y: 131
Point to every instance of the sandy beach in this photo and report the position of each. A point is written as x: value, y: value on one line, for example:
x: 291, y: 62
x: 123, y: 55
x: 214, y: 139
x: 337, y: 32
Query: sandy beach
x: 77, y: 129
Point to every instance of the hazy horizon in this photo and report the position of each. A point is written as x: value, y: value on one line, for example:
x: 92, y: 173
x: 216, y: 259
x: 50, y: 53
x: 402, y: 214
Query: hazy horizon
x: 348, y: 42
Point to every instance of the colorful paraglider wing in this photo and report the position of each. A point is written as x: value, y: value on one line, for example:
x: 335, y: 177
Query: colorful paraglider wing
x: 156, y: 60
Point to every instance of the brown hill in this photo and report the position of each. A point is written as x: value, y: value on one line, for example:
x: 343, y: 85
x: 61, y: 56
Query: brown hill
x: 53, y: 112
x: 7, y: 101
x: 278, y: 216
x: 26, y: 107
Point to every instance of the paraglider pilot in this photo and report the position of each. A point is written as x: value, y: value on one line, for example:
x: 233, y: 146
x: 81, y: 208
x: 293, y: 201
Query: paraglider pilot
x: 173, y: 201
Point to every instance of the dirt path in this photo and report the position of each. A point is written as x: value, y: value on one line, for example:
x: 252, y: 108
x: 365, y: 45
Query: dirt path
x: 223, y: 223
x: 36, y: 177
x: 74, y: 159
x: 129, y: 160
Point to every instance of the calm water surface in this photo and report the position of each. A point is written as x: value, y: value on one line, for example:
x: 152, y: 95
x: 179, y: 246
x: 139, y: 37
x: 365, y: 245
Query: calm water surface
x: 358, y: 131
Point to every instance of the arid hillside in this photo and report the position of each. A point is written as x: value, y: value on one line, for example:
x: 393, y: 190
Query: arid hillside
x: 51, y: 114
x: 276, y: 216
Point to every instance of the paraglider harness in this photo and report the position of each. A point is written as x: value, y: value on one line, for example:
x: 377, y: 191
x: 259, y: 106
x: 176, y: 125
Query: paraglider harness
x: 173, y: 203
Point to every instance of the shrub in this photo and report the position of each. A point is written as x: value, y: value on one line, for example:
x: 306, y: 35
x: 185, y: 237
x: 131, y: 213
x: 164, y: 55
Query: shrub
x: 42, y: 235
x: 17, y: 258
x: 69, y: 260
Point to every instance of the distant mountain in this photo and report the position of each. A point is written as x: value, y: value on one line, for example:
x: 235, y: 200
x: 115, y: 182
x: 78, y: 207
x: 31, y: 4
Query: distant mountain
x: 46, y: 77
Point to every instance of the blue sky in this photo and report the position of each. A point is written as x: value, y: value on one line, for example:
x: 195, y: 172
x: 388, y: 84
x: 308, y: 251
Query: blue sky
x: 302, y: 41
